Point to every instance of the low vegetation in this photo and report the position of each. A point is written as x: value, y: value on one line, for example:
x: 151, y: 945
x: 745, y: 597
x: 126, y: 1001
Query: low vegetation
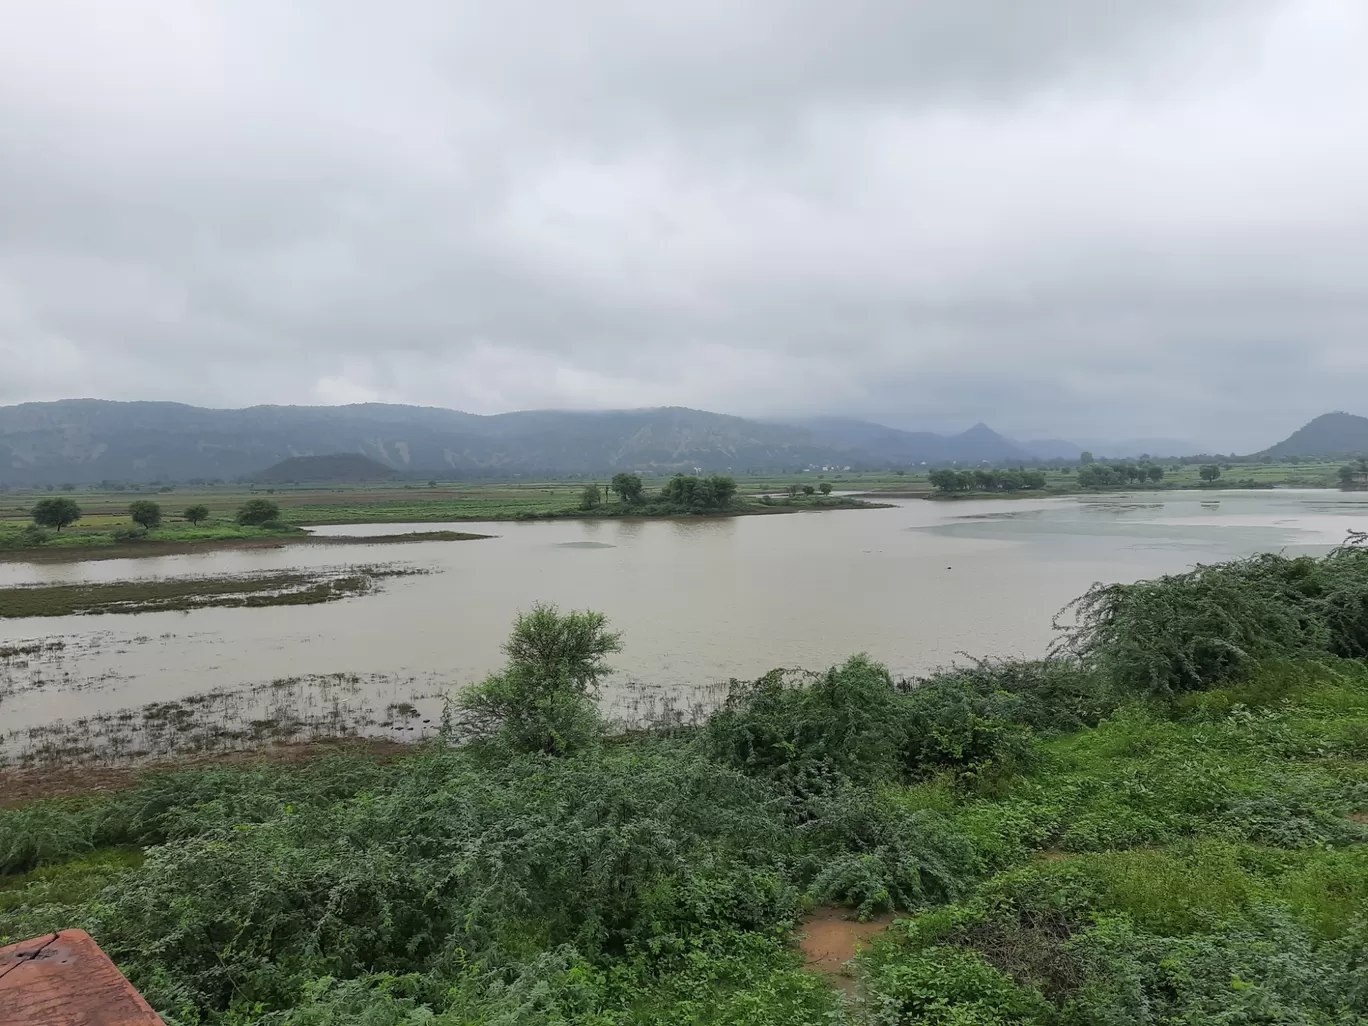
x: 282, y: 588
x: 1163, y: 822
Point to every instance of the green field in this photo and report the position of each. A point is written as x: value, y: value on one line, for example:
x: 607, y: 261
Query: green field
x: 1156, y: 826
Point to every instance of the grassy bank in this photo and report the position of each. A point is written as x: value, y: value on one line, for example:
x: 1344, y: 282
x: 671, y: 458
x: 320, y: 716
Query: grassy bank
x: 1163, y: 823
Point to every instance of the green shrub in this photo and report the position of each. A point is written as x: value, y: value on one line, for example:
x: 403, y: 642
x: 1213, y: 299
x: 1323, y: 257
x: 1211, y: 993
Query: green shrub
x: 257, y: 512
x: 543, y: 700
x: 1216, y: 624
x: 947, y: 986
x: 1050, y: 695
x: 853, y: 722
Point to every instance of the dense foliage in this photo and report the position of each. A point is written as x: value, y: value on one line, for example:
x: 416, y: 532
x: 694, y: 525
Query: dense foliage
x: 255, y: 512
x: 1162, y: 824
x: 1101, y: 475
x: 986, y: 480
x: 1217, y: 623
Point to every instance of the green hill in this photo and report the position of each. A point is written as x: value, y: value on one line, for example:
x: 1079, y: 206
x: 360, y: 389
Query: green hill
x: 339, y: 466
x: 1332, y: 434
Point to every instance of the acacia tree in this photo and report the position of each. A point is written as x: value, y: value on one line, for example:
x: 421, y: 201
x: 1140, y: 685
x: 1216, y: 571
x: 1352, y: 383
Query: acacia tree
x: 824, y: 487
x: 58, y: 513
x: 146, y: 514
x: 591, y: 497
x: 196, y: 514
x: 543, y: 700
x: 1209, y: 472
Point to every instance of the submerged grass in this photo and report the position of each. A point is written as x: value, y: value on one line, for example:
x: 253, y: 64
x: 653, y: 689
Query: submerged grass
x: 283, y: 588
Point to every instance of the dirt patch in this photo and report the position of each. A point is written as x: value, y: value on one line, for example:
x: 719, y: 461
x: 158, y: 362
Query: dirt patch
x: 22, y: 786
x: 1359, y: 817
x: 831, y: 937
x: 1054, y: 856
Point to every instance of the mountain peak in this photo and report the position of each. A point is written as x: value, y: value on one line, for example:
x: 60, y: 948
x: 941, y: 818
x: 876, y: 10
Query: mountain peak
x: 1330, y: 434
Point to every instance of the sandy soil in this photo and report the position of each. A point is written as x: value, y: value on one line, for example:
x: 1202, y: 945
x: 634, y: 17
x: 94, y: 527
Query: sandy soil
x: 831, y: 937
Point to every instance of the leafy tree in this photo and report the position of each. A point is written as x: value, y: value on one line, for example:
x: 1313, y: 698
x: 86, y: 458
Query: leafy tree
x: 255, y: 512
x: 1085, y: 458
x: 432, y: 483
x: 591, y: 497
x: 1209, y: 472
x: 196, y: 514
x: 824, y: 487
x: 809, y: 490
x: 58, y: 513
x: 793, y: 490
x: 543, y: 700
x: 628, y: 487
x: 68, y: 487
x: 701, y: 493
x: 145, y: 514
x: 1155, y: 472
x: 946, y: 480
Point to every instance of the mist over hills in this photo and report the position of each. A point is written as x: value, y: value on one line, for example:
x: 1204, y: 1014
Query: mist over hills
x: 84, y: 441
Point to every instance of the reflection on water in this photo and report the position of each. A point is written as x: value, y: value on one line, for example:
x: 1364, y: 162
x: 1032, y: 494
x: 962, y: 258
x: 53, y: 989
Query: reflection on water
x: 699, y: 600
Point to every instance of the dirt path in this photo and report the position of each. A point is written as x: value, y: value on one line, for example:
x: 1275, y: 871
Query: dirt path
x: 831, y: 937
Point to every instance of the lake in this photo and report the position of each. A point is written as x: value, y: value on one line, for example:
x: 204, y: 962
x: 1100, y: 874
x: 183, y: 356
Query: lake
x: 699, y: 601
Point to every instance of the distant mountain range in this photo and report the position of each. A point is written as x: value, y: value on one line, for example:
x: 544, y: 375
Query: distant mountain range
x: 87, y: 440
x: 83, y: 441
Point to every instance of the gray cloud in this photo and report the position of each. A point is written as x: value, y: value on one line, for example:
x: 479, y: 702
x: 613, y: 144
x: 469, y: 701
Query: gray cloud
x: 1070, y: 217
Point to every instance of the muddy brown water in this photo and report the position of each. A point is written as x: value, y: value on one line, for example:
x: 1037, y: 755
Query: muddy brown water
x: 699, y: 601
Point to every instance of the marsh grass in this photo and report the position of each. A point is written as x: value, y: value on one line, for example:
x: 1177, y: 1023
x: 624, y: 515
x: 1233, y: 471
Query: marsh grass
x: 283, y: 588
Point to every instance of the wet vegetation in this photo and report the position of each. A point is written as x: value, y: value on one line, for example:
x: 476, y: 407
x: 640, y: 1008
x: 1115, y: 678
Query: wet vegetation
x: 1163, y: 822
x: 275, y: 588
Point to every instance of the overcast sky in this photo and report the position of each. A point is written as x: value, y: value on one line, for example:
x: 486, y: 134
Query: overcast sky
x: 1090, y: 219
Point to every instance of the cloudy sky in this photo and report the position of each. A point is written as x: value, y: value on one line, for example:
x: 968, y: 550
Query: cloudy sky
x: 1071, y: 218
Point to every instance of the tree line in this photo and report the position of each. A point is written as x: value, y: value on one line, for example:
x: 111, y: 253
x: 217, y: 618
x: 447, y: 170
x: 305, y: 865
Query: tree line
x: 683, y: 491
x: 1098, y: 475
x: 58, y: 513
x: 946, y: 480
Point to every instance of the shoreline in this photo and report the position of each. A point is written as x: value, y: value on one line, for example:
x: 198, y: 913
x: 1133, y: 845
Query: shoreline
x: 1118, y: 490
x: 751, y: 510
x: 149, y: 549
